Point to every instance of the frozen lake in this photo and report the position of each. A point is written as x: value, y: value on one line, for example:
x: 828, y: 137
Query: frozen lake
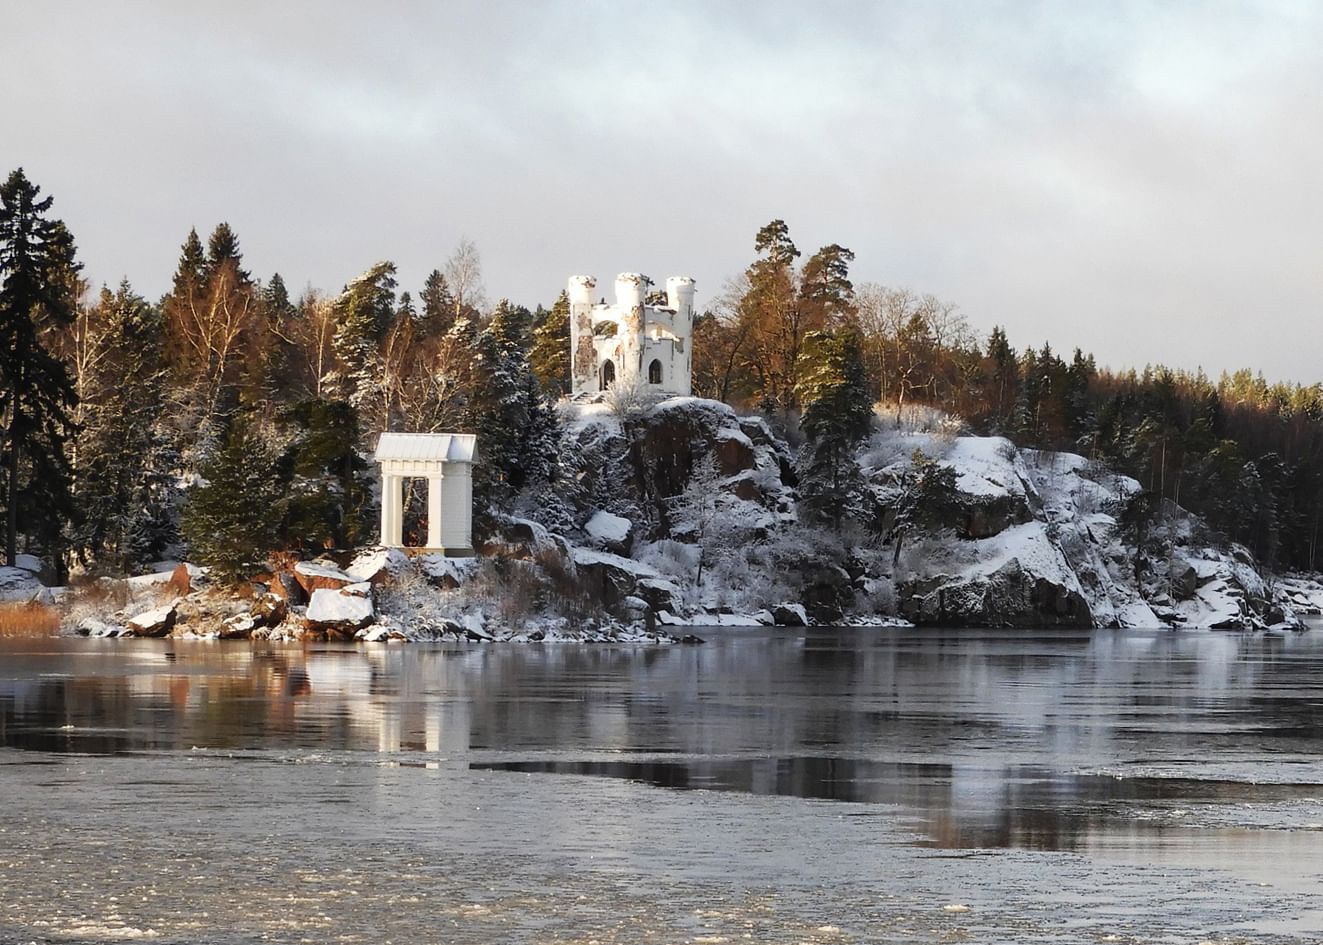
x: 823, y: 786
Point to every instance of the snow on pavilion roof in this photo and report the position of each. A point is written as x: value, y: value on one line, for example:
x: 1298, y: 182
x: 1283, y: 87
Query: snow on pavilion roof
x: 442, y: 447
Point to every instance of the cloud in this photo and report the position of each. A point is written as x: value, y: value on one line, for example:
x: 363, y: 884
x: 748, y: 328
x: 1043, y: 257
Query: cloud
x: 1120, y: 176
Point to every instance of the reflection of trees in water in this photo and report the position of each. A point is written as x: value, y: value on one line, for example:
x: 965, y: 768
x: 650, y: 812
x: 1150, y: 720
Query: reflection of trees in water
x: 889, y: 717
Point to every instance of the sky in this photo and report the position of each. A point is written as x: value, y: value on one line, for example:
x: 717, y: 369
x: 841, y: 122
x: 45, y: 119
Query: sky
x: 1141, y: 180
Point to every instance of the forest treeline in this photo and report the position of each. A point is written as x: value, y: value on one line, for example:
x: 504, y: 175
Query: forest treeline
x: 234, y: 418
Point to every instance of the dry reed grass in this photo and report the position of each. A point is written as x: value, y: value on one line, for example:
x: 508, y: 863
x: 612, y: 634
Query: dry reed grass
x: 29, y: 619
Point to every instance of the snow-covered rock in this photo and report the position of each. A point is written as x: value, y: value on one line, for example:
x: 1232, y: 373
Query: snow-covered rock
x: 18, y: 584
x: 318, y: 575
x: 790, y: 615
x: 614, y: 578
x: 444, y: 572
x: 377, y: 564
x: 339, y: 612
x: 156, y: 622
x: 1019, y: 578
x: 612, y: 532
x: 519, y: 539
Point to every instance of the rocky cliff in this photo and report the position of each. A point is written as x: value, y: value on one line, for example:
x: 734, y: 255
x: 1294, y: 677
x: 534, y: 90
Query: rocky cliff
x: 967, y: 531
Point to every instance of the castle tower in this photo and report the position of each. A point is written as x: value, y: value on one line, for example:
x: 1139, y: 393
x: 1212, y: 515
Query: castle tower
x: 630, y: 339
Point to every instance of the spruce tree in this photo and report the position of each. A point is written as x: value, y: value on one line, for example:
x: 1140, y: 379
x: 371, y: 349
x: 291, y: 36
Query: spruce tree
x: 37, y: 296
x: 507, y: 409
x: 222, y: 247
x: 324, y: 479
x: 438, y: 312
x: 363, y: 314
x: 124, y: 486
x: 232, y: 517
x: 833, y: 387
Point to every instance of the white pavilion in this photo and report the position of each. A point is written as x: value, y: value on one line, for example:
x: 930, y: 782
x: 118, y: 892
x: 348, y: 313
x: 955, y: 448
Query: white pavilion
x: 445, y: 460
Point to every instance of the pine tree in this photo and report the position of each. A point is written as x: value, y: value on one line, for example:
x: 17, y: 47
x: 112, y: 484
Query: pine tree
x: 833, y: 386
x: 231, y: 519
x: 212, y: 319
x: 696, y: 512
x: 1003, y: 379
x: 825, y: 286
x: 550, y: 355
x: 37, y: 296
x: 770, y: 308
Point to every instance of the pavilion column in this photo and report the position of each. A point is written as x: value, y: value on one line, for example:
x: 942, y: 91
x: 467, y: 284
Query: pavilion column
x: 434, y: 505
x: 392, y: 514
x: 397, y: 505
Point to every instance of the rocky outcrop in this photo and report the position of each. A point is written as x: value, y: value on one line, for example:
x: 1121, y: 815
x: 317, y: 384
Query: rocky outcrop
x: 1010, y: 596
x: 614, y: 579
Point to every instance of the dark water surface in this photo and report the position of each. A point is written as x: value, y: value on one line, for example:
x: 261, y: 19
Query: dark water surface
x: 819, y: 786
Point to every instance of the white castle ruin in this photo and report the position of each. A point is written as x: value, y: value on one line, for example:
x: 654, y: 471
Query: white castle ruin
x: 631, y: 339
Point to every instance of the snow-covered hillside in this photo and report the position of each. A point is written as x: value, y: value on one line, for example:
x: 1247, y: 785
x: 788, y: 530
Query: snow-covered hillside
x: 683, y: 513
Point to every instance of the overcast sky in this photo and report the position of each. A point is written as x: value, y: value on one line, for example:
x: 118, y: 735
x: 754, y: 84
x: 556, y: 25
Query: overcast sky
x: 1142, y: 180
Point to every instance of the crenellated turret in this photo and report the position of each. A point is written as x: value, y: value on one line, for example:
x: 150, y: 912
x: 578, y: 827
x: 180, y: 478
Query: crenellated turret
x: 630, y: 340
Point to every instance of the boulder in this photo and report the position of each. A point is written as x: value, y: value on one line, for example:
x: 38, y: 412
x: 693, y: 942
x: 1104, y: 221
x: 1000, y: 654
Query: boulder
x: 790, y: 615
x: 339, y: 613
x: 181, y: 581
x: 1184, y: 578
x: 284, y: 585
x: 17, y: 584
x: 446, y: 573
x: 827, y: 591
x: 517, y: 538
x: 734, y: 453
x: 314, y: 576
x: 239, y: 627
x: 154, y: 623
x: 611, y: 579
x: 377, y: 565
x: 659, y: 593
x: 615, y: 533
x: 269, y: 610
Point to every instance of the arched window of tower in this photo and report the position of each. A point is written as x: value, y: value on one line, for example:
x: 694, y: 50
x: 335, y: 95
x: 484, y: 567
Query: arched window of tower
x: 608, y: 375
x: 655, y: 372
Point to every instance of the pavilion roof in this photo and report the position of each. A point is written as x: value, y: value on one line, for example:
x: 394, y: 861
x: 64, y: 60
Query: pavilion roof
x: 445, y: 447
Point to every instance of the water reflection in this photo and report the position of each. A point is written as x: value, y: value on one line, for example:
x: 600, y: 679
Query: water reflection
x: 989, y: 739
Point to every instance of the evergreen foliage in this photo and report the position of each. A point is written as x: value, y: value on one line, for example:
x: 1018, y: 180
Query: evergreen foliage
x: 323, y: 478
x: 124, y: 485
x: 37, y: 299
x: 438, y: 312
x: 550, y: 354
x: 364, y: 313
x: 837, y: 416
x: 508, y: 409
x: 232, y: 517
